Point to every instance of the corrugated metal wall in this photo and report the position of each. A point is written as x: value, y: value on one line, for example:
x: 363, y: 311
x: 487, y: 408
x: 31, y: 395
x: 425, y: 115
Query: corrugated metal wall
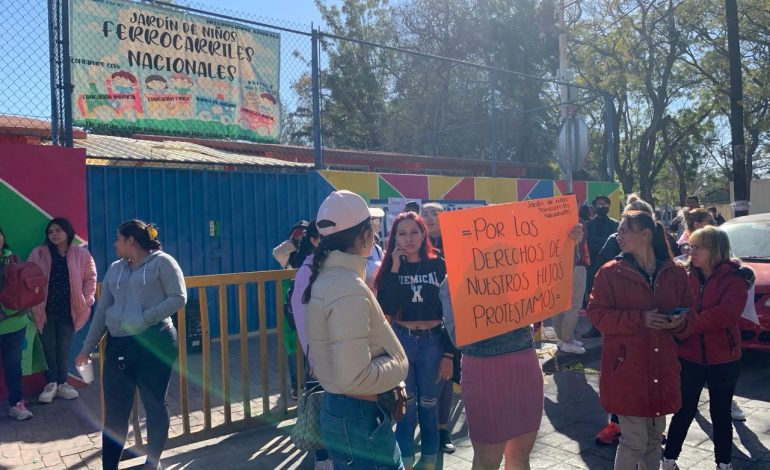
x: 250, y: 213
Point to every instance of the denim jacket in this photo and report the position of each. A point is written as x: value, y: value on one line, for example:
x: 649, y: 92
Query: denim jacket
x: 513, y: 341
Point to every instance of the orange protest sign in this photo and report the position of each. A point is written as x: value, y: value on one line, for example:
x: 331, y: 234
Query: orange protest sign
x: 508, y: 265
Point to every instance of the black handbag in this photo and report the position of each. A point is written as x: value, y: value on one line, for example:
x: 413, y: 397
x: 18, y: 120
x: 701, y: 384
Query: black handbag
x: 306, y: 434
x: 394, y: 402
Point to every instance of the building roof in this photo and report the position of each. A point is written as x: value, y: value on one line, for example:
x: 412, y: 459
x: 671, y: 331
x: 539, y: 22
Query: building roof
x: 103, y: 149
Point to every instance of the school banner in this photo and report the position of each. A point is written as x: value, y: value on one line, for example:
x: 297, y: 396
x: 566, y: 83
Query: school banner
x: 137, y: 68
x: 508, y: 265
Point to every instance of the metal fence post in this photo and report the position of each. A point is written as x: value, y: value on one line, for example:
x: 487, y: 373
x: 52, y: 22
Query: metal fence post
x: 66, y: 91
x: 53, y: 38
x: 61, y: 81
x: 316, y: 85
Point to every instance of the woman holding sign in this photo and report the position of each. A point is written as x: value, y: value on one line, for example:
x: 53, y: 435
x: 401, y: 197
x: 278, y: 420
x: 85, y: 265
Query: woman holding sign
x: 638, y: 303
x: 502, y: 390
x: 407, y: 289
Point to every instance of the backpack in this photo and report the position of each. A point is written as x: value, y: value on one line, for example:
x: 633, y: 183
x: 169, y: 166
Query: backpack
x: 24, y: 286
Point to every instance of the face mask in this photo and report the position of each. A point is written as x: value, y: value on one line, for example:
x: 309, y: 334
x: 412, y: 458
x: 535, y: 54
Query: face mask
x: 602, y: 211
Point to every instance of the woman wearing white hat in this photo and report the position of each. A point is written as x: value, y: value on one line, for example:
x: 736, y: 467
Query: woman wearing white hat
x: 354, y: 352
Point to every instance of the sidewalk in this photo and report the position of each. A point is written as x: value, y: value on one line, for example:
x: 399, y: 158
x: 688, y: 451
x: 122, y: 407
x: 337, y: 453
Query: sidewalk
x: 66, y: 435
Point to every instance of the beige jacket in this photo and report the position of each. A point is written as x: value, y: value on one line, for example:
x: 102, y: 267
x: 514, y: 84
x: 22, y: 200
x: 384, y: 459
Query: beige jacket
x: 352, y: 347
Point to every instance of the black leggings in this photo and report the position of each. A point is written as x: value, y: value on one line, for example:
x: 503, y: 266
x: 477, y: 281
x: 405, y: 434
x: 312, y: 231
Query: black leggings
x: 721, y: 380
x: 56, y: 338
x: 144, y: 361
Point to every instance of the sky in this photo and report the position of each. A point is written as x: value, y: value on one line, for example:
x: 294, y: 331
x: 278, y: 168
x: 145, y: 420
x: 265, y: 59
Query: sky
x: 302, y: 12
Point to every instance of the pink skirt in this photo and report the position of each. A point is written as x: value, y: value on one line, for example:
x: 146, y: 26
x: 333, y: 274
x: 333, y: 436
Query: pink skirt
x: 502, y: 395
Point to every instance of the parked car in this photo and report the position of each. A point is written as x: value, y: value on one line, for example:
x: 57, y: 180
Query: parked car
x: 750, y: 241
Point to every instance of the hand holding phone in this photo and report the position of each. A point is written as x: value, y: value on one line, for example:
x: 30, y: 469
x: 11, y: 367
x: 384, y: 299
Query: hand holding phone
x: 678, y: 311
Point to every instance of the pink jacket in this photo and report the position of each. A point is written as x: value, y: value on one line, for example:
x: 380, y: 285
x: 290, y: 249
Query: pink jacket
x: 82, y: 271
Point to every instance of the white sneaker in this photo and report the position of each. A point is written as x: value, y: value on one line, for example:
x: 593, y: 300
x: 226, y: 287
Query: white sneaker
x: 737, y: 413
x: 48, y: 394
x: 19, y: 411
x: 572, y: 348
x: 560, y: 342
x: 724, y: 466
x: 67, y: 392
x: 324, y: 465
x: 668, y: 464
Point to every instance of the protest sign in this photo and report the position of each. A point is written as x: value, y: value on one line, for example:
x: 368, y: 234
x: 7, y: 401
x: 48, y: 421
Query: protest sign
x: 508, y: 265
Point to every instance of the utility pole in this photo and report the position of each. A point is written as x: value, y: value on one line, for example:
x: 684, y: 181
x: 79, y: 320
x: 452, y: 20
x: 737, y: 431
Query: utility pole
x: 740, y: 190
x: 567, y: 109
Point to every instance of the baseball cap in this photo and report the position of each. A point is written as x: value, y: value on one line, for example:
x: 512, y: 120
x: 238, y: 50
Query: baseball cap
x: 342, y: 210
x: 433, y: 205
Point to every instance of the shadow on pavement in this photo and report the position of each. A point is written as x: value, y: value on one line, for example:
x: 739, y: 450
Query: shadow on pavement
x: 576, y: 416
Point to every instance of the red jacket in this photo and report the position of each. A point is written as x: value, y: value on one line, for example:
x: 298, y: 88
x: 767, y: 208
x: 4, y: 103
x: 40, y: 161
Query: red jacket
x: 82, y: 273
x: 640, y: 369
x: 713, y: 337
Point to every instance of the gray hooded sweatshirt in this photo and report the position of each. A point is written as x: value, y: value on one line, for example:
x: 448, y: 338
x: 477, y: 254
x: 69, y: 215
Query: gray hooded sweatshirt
x: 135, y: 298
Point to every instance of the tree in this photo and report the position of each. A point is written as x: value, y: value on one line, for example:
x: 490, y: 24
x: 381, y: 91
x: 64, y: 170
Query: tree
x: 356, y: 81
x: 448, y: 107
x: 633, y: 49
x: 708, y: 57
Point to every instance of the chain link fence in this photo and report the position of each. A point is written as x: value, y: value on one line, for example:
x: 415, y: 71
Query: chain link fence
x: 25, y: 69
x: 186, y: 71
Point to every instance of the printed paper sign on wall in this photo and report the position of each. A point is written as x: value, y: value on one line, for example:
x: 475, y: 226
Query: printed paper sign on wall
x: 137, y: 68
x: 508, y: 265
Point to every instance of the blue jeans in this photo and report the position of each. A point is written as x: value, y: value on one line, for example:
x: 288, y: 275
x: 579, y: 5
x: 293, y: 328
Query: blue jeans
x: 11, y: 345
x: 358, y: 434
x: 424, y: 354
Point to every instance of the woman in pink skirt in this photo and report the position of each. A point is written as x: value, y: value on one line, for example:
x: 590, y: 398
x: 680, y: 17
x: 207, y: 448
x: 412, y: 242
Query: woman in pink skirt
x: 502, y: 390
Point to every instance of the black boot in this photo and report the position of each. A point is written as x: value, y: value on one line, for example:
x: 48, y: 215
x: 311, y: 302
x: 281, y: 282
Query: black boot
x: 446, y: 444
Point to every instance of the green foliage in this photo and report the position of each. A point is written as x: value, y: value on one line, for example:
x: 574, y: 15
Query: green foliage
x: 378, y: 99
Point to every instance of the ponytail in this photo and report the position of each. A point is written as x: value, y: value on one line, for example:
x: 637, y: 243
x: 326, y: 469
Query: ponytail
x: 319, y: 256
x: 338, y: 241
x: 640, y: 220
x: 660, y: 243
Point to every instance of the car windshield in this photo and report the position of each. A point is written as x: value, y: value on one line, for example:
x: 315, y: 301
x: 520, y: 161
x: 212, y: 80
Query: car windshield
x: 749, y: 239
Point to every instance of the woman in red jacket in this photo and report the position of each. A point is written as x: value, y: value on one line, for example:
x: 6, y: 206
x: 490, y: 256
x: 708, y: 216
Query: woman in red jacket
x: 631, y: 298
x: 710, y: 353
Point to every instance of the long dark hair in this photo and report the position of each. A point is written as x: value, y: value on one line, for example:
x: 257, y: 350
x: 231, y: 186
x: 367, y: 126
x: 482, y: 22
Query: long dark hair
x: 141, y: 231
x: 306, y: 245
x: 65, y: 225
x: 339, y: 241
x: 639, y: 220
x: 427, y: 251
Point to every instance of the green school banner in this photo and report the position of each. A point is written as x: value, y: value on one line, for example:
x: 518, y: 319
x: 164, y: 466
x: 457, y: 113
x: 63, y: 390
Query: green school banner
x: 137, y: 68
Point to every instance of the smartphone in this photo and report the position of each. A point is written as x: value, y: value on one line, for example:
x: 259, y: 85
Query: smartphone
x: 677, y: 311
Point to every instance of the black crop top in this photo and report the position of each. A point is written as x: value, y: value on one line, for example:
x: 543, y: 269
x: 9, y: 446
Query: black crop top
x: 412, y: 294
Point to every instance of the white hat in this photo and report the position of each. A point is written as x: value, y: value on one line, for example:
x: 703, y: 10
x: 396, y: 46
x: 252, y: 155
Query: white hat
x: 342, y: 210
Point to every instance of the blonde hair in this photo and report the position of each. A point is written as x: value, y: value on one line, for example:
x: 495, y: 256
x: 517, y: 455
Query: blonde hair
x: 696, y: 215
x: 715, y: 240
x: 632, y: 198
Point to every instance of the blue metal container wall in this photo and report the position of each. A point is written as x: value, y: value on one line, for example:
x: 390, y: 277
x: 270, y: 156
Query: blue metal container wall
x: 250, y: 214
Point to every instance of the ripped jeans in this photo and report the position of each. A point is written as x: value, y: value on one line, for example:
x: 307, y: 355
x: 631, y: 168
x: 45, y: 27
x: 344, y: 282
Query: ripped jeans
x: 424, y: 354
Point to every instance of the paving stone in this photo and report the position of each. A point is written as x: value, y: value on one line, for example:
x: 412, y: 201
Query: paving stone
x: 572, y: 416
